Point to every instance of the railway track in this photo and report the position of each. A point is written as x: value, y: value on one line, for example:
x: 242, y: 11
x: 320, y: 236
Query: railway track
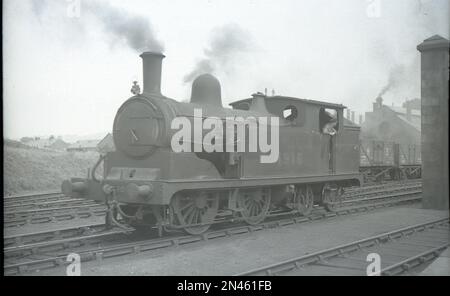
x: 19, y: 200
x: 49, y: 205
x: 400, y: 251
x: 60, y: 233
x: 371, y: 187
x: 53, y: 215
x: 62, y: 210
x: 34, y: 252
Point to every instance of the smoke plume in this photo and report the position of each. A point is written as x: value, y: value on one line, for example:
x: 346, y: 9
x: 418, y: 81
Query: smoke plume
x: 396, y: 76
x: 134, y: 30
x: 119, y: 26
x: 226, y: 44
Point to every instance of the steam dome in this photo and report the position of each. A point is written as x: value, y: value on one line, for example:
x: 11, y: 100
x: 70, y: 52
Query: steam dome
x: 206, y: 90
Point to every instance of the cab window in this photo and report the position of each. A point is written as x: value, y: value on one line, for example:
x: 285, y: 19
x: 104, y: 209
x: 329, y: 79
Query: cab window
x: 328, y: 121
x: 290, y: 113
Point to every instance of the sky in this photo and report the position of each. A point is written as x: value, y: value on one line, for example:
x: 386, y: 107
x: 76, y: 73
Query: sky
x: 68, y: 65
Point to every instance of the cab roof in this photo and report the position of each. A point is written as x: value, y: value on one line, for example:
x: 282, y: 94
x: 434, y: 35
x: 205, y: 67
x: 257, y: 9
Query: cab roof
x: 312, y: 102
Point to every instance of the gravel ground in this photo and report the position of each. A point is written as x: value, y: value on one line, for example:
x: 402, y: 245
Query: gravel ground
x: 237, y: 254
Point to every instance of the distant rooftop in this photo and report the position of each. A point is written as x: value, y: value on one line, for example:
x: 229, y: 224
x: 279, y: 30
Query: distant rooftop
x: 84, y: 144
x: 415, y: 121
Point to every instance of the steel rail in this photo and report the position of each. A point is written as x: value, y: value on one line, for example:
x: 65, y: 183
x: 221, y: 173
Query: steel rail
x: 376, y: 198
x: 60, y: 233
x: 381, y: 186
x: 47, y: 215
x: 65, y: 232
x: 62, y: 216
x: 48, y: 205
x: 301, y: 261
x: 152, y: 244
x: 28, y: 195
x: 414, y: 261
x: 30, y: 201
x: 39, y: 212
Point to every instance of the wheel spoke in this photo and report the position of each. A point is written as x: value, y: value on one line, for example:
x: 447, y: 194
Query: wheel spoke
x: 305, y: 200
x: 188, y: 212
x: 251, y: 210
x: 188, y: 204
x: 190, y: 217
x: 195, y: 208
x: 259, y: 208
x: 254, y: 204
x: 195, y: 217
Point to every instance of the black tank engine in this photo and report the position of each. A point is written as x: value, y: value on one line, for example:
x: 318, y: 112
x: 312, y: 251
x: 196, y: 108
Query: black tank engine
x: 145, y: 183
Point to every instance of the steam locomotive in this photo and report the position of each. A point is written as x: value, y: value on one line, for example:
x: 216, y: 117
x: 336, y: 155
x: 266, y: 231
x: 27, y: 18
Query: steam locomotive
x: 148, y: 184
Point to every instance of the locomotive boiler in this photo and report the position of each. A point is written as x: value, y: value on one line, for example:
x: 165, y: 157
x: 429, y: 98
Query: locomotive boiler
x: 146, y: 183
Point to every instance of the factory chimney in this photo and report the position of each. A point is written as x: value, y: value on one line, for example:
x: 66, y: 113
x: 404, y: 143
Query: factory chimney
x: 378, y: 104
x: 152, y: 67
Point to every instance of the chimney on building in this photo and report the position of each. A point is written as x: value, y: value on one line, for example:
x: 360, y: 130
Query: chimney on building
x: 360, y: 119
x: 353, y: 116
x: 378, y: 103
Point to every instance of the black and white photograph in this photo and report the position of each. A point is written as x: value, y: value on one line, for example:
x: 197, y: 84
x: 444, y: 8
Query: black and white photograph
x: 221, y: 139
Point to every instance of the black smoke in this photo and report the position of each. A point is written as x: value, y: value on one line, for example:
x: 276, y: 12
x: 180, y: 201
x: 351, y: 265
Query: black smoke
x: 121, y: 27
x: 226, y: 43
x: 135, y: 31
x: 396, y: 76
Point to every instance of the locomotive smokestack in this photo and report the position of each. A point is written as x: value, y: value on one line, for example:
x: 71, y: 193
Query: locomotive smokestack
x: 152, y: 66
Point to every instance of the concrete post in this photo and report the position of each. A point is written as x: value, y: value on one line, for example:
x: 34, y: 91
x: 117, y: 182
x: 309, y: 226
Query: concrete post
x: 434, y: 92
